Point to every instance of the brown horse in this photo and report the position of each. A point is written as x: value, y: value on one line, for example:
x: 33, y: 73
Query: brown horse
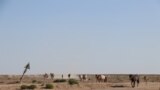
x: 83, y: 77
x: 145, y: 79
x: 52, y: 76
x: 45, y: 76
x: 69, y: 76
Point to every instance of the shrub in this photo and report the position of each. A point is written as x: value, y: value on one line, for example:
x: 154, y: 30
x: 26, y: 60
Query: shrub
x: 23, y: 87
x: 32, y: 87
x: 34, y: 81
x: 72, y: 81
x: 49, y: 86
x: 59, y: 80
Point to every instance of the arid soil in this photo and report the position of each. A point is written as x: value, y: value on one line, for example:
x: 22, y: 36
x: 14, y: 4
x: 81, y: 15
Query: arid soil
x: 115, y: 82
x: 88, y: 86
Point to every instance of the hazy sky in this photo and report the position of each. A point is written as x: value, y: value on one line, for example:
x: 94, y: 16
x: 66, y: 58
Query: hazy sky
x: 80, y: 36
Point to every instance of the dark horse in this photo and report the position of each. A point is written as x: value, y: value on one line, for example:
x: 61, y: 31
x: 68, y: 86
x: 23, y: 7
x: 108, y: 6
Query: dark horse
x: 134, y: 79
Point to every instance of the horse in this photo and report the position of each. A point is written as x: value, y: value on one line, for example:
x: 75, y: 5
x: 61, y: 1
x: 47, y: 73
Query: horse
x: 69, y: 76
x: 62, y: 76
x: 83, y: 77
x: 134, y: 79
x: 145, y: 79
x: 101, y: 78
x: 45, y: 76
x: 52, y: 76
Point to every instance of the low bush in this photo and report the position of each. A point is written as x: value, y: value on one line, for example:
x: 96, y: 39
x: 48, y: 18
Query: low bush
x: 31, y: 87
x: 34, y: 81
x: 72, y: 81
x: 49, y: 86
x: 24, y: 87
x: 59, y: 80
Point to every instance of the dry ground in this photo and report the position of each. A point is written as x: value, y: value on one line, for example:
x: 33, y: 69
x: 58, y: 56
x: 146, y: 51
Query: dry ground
x: 9, y: 82
x: 89, y: 86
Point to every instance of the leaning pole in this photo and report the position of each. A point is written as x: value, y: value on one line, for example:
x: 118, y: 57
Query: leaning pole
x: 25, y: 70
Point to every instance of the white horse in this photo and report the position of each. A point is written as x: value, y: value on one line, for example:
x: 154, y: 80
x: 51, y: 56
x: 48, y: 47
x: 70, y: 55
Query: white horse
x: 101, y: 78
x: 83, y: 77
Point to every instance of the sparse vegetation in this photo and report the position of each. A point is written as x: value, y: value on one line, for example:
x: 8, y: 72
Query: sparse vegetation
x: 118, y: 86
x: 59, y: 80
x: 34, y: 81
x: 24, y: 87
x: 72, y: 81
x: 49, y: 86
x: 31, y: 87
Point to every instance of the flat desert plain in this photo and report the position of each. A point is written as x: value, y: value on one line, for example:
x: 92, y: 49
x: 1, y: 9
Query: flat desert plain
x: 115, y: 82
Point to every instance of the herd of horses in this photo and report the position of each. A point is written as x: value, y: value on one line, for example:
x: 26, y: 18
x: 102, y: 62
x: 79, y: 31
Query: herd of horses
x: 134, y: 79
x: 99, y: 78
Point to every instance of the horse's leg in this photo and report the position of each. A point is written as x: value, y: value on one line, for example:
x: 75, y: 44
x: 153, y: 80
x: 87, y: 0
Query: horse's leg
x: 137, y: 83
x: 134, y: 84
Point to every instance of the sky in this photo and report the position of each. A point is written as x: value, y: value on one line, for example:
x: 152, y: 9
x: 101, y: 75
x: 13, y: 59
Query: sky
x: 80, y: 36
